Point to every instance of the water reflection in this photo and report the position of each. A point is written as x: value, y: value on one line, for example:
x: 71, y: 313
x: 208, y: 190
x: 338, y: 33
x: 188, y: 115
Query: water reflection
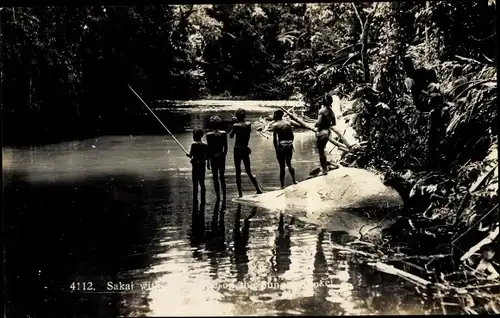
x: 124, y: 210
x: 90, y: 230
x: 282, y: 252
x: 216, y: 242
x: 197, y: 231
x: 240, y: 241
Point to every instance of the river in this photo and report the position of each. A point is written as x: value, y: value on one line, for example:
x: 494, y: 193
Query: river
x: 116, y: 211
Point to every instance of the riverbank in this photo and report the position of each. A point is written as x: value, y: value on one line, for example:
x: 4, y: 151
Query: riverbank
x: 446, y: 244
x: 245, y: 104
x: 134, y: 194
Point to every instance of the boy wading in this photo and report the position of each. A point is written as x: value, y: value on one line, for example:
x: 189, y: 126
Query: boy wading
x: 199, y: 156
x: 283, y: 144
x: 217, y: 146
x: 326, y: 119
x: 242, y: 129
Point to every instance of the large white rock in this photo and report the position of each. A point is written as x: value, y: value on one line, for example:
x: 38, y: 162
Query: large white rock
x: 318, y: 199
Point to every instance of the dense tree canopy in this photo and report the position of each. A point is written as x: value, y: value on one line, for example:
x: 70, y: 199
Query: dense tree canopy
x: 421, y: 77
x: 76, y: 61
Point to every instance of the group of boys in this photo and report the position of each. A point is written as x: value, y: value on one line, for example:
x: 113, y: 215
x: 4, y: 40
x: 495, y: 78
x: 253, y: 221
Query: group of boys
x: 212, y: 155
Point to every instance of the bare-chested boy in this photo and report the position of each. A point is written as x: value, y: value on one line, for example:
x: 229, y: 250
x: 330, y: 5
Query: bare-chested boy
x: 326, y: 119
x: 199, y: 156
x: 283, y: 144
x: 217, y: 149
x: 242, y: 129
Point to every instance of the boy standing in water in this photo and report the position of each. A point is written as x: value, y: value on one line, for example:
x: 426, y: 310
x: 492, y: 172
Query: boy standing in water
x: 217, y: 147
x: 283, y: 144
x: 242, y: 129
x: 326, y: 119
x: 198, y: 155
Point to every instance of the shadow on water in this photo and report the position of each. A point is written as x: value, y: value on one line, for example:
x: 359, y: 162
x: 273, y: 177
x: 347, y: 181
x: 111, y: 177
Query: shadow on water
x: 102, y: 224
x: 240, y: 239
x: 382, y: 294
x: 281, y: 253
x: 213, y: 235
x: 89, y: 230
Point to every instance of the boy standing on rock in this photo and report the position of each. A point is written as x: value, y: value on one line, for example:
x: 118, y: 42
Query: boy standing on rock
x: 283, y: 144
x: 242, y: 129
x: 326, y: 119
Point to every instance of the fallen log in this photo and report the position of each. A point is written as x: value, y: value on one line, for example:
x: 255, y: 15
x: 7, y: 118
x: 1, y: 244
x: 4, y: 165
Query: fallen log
x: 341, y: 136
x: 487, y: 240
x: 389, y: 269
x: 476, y: 185
x: 350, y: 250
x: 341, y: 146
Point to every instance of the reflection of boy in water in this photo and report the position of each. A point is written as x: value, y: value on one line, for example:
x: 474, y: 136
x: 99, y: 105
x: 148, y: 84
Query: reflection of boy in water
x: 326, y: 119
x: 198, y: 155
x: 217, y: 147
x: 283, y: 144
x: 242, y: 129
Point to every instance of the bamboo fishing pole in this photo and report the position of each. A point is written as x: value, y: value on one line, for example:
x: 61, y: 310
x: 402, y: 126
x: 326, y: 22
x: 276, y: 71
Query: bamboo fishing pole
x: 177, y: 141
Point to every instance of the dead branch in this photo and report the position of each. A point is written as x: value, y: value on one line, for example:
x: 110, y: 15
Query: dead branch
x: 262, y: 134
x: 469, y: 60
x: 475, y: 224
x: 482, y: 82
x: 357, y: 14
x: 481, y: 181
x: 487, y: 240
x: 341, y: 146
x: 420, y: 268
x: 420, y: 257
x: 439, y: 295
x: 350, y: 250
x: 389, y: 269
x: 482, y: 286
x: 488, y: 59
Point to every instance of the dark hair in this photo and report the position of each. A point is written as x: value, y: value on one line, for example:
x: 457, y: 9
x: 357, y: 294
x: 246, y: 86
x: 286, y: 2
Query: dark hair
x: 197, y: 134
x: 241, y: 114
x: 327, y: 99
x: 215, y: 122
x: 278, y: 115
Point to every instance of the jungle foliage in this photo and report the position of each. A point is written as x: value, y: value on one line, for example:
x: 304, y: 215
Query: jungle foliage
x: 67, y: 68
x: 76, y: 61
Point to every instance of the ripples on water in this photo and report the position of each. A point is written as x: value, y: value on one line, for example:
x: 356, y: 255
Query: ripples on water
x: 119, y: 209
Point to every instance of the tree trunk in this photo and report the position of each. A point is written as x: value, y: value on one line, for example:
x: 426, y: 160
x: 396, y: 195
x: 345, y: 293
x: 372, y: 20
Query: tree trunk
x: 341, y: 146
x: 365, y: 28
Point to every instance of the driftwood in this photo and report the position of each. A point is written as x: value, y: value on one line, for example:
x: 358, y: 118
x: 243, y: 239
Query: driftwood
x: 262, y: 134
x: 482, y: 179
x: 341, y: 136
x: 469, y: 60
x: 475, y: 224
x: 341, y: 146
x: 487, y: 240
x: 350, y: 250
x: 389, y: 269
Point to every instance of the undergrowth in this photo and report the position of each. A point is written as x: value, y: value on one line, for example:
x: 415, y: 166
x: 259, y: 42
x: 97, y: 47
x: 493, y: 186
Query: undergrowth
x: 452, y: 219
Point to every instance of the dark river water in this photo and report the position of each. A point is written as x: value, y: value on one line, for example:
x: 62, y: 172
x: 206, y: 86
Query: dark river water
x: 116, y: 211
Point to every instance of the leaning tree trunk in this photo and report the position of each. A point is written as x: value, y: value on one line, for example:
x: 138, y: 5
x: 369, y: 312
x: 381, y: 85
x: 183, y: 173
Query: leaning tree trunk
x: 365, y: 28
x: 341, y: 146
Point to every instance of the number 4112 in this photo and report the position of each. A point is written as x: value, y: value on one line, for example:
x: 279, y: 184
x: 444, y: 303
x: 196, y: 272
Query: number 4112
x: 81, y: 286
